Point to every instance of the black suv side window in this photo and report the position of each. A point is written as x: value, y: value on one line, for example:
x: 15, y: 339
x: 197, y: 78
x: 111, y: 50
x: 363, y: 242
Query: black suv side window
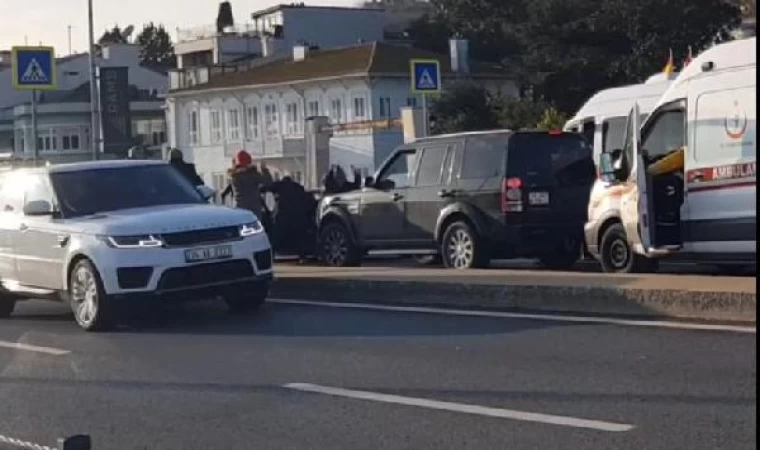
x: 431, y: 166
x: 397, y: 174
x: 483, y: 158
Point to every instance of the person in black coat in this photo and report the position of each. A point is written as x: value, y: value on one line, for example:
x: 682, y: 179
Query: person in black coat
x: 187, y: 170
x: 292, y: 217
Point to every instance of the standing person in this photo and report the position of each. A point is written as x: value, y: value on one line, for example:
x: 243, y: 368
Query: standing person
x: 245, y: 184
x: 266, y: 175
x: 292, y: 217
x: 187, y: 170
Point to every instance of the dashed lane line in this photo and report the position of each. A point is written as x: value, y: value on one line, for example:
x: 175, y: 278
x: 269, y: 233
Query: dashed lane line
x: 33, y: 348
x: 463, y: 408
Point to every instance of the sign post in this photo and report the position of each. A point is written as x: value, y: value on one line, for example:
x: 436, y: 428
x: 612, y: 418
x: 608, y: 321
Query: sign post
x: 33, y: 69
x: 426, y: 80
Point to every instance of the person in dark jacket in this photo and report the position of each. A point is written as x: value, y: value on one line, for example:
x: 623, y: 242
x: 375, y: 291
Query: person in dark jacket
x: 293, y: 216
x: 187, y: 170
x: 245, y: 184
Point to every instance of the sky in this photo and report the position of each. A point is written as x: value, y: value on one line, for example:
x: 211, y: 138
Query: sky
x: 47, y: 21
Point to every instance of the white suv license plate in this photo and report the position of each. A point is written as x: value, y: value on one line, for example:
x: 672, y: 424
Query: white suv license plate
x: 538, y: 198
x: 208, y: 253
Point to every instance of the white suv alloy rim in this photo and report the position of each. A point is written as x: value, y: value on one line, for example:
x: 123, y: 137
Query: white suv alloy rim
x: 84, y: 293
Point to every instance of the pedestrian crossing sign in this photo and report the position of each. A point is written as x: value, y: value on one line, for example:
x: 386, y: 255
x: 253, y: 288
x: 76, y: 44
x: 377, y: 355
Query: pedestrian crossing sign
x: 34, y: 68
x: 426, y: 76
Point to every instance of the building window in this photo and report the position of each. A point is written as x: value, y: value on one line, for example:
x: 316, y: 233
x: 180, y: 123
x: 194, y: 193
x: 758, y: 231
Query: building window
x: 216, y: 127
x: 336, y: 110
x: 385, y: 107
x: 411, y: 102
x: 252, y: 121
x: 314, y: 108
x: 292, y: 119
x: 360, y: 110
x: 193, y: 134
x: 271, y: 120
x: 233, y: 125
x: 70, y: 141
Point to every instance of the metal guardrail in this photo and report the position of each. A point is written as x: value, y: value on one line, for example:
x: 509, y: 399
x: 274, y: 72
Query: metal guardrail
x: 78, y: 442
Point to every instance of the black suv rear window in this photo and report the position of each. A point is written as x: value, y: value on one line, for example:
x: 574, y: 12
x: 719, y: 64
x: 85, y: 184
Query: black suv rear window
x: 551, y: 160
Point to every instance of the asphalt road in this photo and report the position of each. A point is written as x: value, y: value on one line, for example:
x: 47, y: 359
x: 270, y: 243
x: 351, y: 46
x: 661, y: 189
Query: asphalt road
x: 374, y: 380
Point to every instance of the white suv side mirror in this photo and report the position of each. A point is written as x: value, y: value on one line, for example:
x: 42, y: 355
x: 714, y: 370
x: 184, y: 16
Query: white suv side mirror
x: 206, y: 192
x: 38, y: 208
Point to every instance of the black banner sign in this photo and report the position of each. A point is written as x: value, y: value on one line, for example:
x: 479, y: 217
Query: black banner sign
x: 115, y: 114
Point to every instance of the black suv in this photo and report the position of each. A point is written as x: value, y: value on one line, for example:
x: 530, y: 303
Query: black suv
x: 468, y: 198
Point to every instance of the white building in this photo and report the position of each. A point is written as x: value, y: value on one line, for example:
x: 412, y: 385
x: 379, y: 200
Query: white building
x: 276, y: 30
x: 263, y: 109
x: 63, y: 116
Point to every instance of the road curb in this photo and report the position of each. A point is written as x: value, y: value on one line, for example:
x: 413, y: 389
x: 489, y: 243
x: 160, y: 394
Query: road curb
x: 648, y: 303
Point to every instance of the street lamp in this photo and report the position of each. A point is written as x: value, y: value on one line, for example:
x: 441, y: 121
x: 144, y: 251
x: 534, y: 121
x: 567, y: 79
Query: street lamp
x: 94, y: 117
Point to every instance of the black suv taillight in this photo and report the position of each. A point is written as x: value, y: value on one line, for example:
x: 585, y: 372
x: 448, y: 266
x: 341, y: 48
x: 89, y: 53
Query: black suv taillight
x: 511, y: 195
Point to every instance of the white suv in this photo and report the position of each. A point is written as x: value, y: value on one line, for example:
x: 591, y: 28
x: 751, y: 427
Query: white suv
x: 103, y: 236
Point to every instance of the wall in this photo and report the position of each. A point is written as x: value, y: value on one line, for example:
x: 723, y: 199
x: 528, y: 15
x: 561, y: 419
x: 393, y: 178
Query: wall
x: 309, y: 24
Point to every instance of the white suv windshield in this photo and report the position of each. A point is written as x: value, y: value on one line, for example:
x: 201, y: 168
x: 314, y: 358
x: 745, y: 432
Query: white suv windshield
x: 86, y: 192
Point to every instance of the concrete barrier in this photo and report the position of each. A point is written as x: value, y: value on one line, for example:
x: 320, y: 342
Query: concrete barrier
x: 724, y: 299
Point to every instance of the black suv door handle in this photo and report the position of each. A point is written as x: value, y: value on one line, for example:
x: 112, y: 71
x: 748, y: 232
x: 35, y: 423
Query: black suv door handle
x: 444, y: 193
x: 396, y: 196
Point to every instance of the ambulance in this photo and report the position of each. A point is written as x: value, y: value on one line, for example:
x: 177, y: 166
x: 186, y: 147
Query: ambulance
x: 688, y: 174
x: 602, y: 120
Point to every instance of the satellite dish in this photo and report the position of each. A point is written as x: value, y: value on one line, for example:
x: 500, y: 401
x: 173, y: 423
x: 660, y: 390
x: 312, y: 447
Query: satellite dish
x: 127, y: 33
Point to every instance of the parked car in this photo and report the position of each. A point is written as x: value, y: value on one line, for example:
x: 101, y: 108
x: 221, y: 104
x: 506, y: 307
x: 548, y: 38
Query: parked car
x: 469, y: 198
x: 103, y: 235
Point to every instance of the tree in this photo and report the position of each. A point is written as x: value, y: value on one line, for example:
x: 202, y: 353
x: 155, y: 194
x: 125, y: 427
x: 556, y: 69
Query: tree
x: 114, y: 36
x: 156, y: 48
x: 518, y: 114
x: 566, y: 50
x: 464, y: 106
x: 552, y: 119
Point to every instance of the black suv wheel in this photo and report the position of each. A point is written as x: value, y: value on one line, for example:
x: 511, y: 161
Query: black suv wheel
x: 336, y: 246
x: 617, y: 256
x: 461, y: 247
x: 7, y: 305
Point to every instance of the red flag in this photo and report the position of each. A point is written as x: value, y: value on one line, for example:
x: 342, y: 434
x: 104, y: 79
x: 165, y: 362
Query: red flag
x: 670, y: 66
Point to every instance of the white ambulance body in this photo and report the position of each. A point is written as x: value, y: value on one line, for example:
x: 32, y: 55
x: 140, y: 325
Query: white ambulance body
x: 711, y: 111
x: 603, y: 120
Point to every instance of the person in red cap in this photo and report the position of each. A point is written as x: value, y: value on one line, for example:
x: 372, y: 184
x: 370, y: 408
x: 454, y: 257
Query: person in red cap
x: 245, y: 184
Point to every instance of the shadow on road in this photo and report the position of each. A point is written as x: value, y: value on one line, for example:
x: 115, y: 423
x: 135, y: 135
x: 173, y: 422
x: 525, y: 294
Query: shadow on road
x: 305, y: 321
x: 212, y: 318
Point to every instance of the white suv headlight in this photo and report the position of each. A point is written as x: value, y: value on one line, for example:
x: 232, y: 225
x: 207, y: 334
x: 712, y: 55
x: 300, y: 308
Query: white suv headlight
x: 251, y: 229
x: 148, y: 241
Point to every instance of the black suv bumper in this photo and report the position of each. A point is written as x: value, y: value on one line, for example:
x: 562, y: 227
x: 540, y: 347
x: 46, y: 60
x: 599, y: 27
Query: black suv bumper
x: 532, y: 240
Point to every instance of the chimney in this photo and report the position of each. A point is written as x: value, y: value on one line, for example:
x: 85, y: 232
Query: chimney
x: 224, y: 18
x: 300, y: 52
x: 460, y: 55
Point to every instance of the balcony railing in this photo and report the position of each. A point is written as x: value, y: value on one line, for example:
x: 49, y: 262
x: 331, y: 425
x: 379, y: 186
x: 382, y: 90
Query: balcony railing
x: 209, y: 31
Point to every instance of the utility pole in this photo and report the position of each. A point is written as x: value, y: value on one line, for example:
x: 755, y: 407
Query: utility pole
x: 94, y: 109
x: 69, y: 30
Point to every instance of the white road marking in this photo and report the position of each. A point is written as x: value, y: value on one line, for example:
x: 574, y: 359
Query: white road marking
x: 463, y: 408
x: 33, y: 348
x: 527, y: 316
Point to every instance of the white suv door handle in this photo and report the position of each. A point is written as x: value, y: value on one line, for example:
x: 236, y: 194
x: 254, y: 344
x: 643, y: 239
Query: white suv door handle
x: 23, y: 227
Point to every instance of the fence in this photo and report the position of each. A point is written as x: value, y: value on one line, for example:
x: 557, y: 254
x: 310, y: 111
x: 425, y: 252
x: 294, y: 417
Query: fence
x: 78, y: 442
